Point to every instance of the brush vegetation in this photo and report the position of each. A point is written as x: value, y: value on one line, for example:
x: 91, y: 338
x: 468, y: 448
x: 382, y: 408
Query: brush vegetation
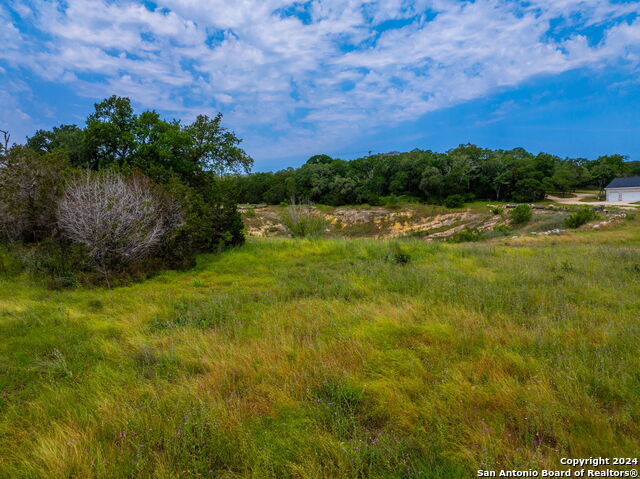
x: 452, y: 178
x: 329, y: 358
x: 128, y: 193
x: 580, y: 217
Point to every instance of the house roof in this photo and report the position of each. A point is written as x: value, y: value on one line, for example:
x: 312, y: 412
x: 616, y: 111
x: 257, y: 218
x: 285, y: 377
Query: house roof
x: 631, y: 182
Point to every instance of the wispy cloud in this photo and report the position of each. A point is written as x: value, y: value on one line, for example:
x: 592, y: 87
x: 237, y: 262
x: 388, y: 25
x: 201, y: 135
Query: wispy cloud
x: 293, y: 74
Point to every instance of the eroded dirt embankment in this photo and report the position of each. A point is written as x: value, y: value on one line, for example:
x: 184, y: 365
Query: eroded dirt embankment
x: 377, y: 222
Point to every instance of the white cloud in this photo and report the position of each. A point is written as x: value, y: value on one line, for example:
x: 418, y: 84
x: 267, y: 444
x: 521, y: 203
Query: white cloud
x: 311, y: 71
x: 12, y: 116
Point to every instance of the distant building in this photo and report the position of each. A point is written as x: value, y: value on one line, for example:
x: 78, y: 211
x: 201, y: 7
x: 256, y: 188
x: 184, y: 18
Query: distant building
x: 624, y: 189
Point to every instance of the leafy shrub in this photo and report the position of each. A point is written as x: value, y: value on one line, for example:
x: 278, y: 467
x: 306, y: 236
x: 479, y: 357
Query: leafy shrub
x: 468, y: 234
x: 391, y: 201
x: 211, y: 222
x: 521, y: 214
x: 371, y: 199
x: 303, y: 222
x: 580, y: 217
x: 454, y: 201
x: 29, y: 187
x: 496, y: 210
x: 395, y: 200
x: 528, y: 190
x: 57, y: 262
x: 502, y: 229
x: 9, y: 264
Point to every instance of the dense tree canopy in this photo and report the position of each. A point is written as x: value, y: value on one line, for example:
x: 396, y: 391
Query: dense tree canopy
x: 468, y: 170
x: 115, y: 136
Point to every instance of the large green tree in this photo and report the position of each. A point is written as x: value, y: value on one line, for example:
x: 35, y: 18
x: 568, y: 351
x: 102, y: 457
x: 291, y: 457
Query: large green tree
x: 606, y: 168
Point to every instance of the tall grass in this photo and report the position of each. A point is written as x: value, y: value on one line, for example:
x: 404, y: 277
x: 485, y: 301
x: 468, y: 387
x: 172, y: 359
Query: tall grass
x: 329, y: 358
x: 303, y: 221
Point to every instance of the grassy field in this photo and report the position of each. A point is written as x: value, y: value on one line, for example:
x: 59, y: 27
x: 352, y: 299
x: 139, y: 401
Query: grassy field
x: 330, y: 358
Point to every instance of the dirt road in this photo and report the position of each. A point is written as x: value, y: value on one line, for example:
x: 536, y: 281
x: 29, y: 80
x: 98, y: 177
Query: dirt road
x: 578, y: 196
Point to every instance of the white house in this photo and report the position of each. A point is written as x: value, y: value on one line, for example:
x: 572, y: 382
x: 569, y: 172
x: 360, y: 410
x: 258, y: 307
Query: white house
x: 624, y: 189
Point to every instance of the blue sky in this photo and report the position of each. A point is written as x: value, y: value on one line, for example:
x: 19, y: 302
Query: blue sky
x: 342, y: 77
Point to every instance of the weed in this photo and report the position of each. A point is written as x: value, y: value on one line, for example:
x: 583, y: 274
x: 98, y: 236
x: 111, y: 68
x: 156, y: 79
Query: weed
x: 340, y: 403
x: 503, y: 230
x: 55, y: 364
x: 567, y: 266
x: 454, y: 201
x: 302, y: 222
x: 249, y: 213
x: 466, y: 235
x: 634, y: 268
x: 580, y: 217
x: 9, y: 264
x: 95, y: 305
x: 521, y: 214
x: 397, y: 255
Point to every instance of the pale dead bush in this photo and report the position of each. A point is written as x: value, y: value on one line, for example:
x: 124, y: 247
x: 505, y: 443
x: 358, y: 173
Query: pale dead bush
x: 119, y: 220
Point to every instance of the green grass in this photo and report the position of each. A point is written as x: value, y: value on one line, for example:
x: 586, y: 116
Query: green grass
x: 329, y: 358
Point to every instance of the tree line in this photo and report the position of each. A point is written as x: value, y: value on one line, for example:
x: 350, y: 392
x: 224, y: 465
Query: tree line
x: 124, y: 192
x: 461, y: 174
